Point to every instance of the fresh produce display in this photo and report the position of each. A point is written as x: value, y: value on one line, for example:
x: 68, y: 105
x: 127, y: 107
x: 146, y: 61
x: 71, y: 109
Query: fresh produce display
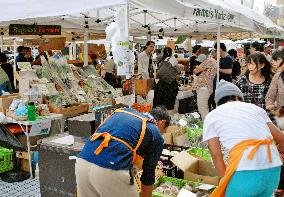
x: 204, y: 153
x: 76, y: 85
x: 168, y: 189
x: 171, y: 187
x: 188, y: 118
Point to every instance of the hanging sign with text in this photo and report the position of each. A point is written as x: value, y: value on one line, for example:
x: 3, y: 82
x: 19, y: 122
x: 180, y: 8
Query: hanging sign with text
x: 20, y: 29
x: 214, y: 14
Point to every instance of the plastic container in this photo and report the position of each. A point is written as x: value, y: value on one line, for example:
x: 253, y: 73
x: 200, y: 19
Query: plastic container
x: 31, y: 111
x: 6, y: 160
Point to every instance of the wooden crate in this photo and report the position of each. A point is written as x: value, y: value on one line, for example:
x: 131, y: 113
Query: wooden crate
x: 142, y: 86
x: 69, y: 111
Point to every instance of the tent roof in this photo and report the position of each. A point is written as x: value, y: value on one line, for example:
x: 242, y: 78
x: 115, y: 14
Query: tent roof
x: 175, y: 17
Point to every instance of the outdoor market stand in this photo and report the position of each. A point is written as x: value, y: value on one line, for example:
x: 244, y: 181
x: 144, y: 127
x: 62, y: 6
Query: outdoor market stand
x: 173, y: 11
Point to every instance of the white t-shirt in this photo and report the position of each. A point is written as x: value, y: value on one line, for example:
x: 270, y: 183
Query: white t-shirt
x: 235, y: 122
x: 143, y: 65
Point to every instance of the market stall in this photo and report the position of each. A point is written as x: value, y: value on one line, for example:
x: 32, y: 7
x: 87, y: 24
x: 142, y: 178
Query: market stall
x: 84, y: 99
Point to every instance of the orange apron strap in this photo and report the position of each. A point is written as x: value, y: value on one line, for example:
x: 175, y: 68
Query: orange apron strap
x: 107, y: 137
x: 137, y: 157
x: 105, y: 142
x: 130, y: 113
x: 256, y: 147
x: 236, y: 154
x: 124, y: 142
x: 104, y: 120
x: 143, y: 131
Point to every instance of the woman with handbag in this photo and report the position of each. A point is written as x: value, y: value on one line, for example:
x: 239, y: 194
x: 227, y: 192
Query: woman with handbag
x: 166, y: 89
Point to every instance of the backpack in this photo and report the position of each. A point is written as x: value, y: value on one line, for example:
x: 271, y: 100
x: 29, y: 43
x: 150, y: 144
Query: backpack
x: 167, y: 72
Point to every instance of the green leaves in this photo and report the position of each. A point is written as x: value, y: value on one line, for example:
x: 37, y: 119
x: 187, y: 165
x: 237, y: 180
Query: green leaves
x: 204, y: 153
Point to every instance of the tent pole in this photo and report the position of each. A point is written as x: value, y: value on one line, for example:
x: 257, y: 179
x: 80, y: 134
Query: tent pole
x: 86, y: 49
x: 218, y: 54
x: 14, y: 66
x: 274, y: 42
x: 189, y: 46
x: 70, y: 51
x: 126, y: 19
x: 74, y: 56
x: 2, y: 49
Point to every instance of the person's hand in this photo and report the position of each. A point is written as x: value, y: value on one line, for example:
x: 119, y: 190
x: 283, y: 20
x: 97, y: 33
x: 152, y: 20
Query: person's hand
x: 270, y: 107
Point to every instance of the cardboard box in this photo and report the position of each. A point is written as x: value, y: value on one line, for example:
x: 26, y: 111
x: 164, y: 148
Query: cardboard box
x: 24, y: 159
x: 168, y: 138
x: 172, y: 135
x: 142, y: 86
x: 33, y: 140
x: 196, y: 169
x: 5, y: 102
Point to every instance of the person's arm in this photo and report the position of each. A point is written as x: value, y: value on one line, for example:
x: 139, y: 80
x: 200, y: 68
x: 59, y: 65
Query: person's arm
x: 198, y: 69
x: 217, y: 156
x: 226, y: 71
x: 278, y: 136
x: 152, y: 154
x: 271, y: 94
x: 146, y: 190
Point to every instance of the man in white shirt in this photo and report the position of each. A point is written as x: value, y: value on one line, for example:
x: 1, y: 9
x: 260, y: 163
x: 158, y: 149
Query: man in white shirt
x: 253, y: 167
x: 144, y: 60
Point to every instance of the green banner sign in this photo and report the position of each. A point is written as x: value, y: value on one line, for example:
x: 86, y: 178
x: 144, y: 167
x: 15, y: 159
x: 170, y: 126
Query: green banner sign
x: 20, y: 29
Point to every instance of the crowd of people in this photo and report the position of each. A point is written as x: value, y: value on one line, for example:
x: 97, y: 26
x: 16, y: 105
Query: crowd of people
x: 247, y: 95
x: 261, y: 82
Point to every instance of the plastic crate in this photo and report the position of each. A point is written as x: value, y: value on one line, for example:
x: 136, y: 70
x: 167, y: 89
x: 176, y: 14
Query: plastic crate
x: 6, y: 160
x: 169, y: 168
x: 172, y: 147
x: 177, y: 182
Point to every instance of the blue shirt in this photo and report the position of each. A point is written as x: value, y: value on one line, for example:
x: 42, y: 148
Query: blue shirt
x: 117, y: 156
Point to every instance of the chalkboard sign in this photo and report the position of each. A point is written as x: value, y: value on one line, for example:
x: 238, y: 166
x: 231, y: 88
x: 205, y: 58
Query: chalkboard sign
x: 20, y: 29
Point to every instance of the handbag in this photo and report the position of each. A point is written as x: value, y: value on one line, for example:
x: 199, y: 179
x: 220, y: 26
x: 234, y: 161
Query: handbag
x: 167, y: 72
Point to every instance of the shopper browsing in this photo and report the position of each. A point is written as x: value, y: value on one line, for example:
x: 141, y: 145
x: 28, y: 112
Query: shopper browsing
x: 196, y: 51
x: 255, y: 46
x: 236, y: 71
x: 166, y: 89
x: 105, y: 166
x: 21, y: 56
x: 203, y: 84
x: 226, y: 63
x: 275, y: 95
x: 145, y: 63
x: 253, y: 167
x: 254, y: 84
x: 8, y: 68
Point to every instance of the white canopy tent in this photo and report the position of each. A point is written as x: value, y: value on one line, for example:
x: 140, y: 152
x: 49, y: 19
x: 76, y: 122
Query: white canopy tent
x: 173, y: 16
x: 145, y: 16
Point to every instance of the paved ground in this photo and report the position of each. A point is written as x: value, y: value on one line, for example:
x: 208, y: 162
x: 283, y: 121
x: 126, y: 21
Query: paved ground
x: 27, y: 188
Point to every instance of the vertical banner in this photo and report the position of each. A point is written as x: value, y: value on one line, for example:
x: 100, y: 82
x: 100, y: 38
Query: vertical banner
x: 117, y: 33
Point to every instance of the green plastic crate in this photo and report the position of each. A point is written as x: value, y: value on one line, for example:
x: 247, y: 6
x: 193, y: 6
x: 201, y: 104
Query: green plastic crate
x: 177, y: 182
x: 6, y: 160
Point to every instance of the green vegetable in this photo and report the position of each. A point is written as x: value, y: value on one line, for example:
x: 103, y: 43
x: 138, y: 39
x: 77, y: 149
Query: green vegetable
x: 204, y: 153
x: 194, y: 133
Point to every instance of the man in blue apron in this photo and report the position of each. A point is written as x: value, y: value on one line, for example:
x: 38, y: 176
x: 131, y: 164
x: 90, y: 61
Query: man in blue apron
x: 105, y: 166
